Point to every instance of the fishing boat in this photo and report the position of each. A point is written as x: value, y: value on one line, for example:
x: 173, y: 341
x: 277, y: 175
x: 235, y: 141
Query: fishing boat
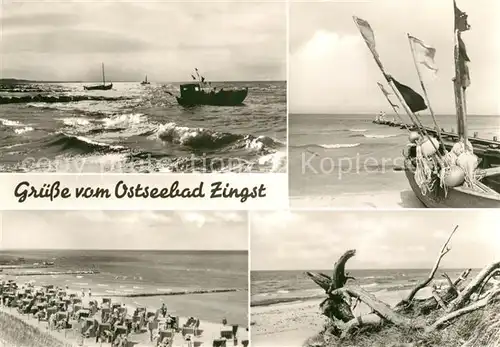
x: 102, y: 86
x: 145, y: 81
x: 443, y: 170
x: 193, y: 94
x: 201, y: 92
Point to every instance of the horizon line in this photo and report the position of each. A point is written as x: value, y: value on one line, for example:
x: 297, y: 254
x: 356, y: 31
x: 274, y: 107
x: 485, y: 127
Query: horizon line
x: 121, y: 249
x: 374, y: 112
x: 127, y: 81
x: 361, y: 269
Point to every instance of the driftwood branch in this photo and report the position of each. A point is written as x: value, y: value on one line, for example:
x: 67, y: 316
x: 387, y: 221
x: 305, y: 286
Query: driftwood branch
x: 453, y: 301
x: 367, y: 320
x: 381, y: 308
x: 460, y: 312
x: 463, y: 276
x: 485, y: 282
x: 451, y: 285
x: 339, y: 277
x: 445, y: 249
x: 472, y: 287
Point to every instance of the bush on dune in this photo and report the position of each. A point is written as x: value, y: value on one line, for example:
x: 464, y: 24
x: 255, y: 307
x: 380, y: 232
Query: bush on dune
x: 16, y: 333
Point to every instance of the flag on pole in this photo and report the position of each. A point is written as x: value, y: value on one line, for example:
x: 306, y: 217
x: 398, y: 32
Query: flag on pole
x: 386, y: 93
x: 463, y: 59
x: 193, y: 77
x: 424, y: 54
x: 414, y: 100
x: 369, y: 36
x: 461, y: 23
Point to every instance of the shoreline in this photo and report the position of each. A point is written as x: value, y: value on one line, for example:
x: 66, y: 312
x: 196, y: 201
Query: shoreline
x: 291, y: 324
x: 70, y: 338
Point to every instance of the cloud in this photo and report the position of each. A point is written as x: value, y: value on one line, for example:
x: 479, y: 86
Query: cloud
x: 308, y: 240
x: 332, y: 71
x: 124, y: 230
x: 225, y: 40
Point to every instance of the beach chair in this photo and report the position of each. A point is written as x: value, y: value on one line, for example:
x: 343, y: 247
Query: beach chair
x: 219, y: 343
x: 188, y: 331
x: 90, y: 327
x: 104, y: 332
x: 51, y: 311
x: 226, y: 333
x: 83, y: 313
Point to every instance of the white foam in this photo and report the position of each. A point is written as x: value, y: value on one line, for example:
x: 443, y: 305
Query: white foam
x: 340, y: 145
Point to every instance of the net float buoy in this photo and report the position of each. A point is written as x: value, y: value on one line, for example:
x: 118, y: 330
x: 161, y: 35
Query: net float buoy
x: 467, y: 161
x: 455, y: 177
x: 414, y: 137
x: 429, y: 146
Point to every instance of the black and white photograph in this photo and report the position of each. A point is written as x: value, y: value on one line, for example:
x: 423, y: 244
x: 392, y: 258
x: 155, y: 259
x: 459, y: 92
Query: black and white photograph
x: 409, y: 278
x: 123, y: 278
x: 394, y: 104
x: 143, y: 86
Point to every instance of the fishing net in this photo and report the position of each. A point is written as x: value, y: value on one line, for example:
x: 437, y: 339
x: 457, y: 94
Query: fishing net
x: 428, y: 176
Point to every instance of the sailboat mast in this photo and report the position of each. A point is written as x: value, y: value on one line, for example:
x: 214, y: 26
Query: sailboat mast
x: 103, y: 79
x: 459, y: 93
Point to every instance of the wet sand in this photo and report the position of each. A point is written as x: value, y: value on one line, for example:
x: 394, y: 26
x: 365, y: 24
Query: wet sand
x: 291, y: 324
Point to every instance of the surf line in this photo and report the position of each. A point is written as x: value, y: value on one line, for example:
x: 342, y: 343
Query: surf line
x: 24, y: 191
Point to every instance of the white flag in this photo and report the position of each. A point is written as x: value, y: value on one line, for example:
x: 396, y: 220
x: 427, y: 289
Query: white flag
x: 424, y: 54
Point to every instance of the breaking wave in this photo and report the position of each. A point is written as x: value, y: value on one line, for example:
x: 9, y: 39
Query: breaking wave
x: 54, y: 99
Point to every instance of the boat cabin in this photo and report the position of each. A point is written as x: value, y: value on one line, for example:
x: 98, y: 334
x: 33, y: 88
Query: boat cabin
x: 189, y: 89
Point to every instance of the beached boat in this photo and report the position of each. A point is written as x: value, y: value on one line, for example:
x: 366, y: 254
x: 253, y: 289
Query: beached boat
x: 145, y: 81
x: 443, y: 174
x: 102, y: 86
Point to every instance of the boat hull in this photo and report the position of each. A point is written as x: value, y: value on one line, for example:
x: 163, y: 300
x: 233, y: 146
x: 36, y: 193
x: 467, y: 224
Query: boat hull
x: 101, y: 87
x: 221, y: 98
x: 459, y: 197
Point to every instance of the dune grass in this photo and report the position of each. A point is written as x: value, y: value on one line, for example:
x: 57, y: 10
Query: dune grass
x: 477, y: 329
x: 16, y: 333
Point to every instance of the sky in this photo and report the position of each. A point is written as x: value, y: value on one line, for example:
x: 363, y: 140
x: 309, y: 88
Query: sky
x: 332, y: 70
x: 124, y: 230
x: 226, y: 41
x: 314, y: 240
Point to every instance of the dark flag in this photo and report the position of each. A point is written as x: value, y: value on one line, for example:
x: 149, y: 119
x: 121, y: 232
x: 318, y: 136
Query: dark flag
x: 414, y: 100
x: 202, y: 79
x: 463, y: 59
x: 193, y: 77
x: 460, y: 19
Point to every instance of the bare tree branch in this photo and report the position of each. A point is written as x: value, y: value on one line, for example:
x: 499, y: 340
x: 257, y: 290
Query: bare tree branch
x: 445, y: 249
x: 458, y: 313
x: 472, y: 287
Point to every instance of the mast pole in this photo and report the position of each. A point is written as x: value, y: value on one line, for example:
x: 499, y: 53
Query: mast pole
x: 410, y: 113
x: 438, y: 130
x: 103, y: 79
x: 394, y: 108
x: 459, y: 94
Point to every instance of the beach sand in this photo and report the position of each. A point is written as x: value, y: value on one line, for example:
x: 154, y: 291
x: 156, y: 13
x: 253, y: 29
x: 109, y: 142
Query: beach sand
x: 384, y: 199
x: 291, y: 324
x: 72, y: 338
